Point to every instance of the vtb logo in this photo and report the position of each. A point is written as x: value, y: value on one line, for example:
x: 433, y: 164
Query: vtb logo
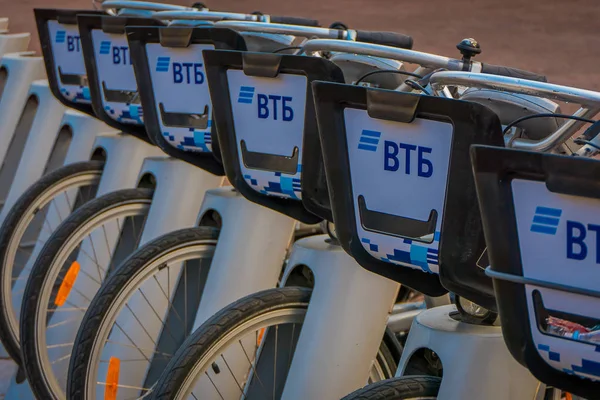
x: 120, y: 54
x: 411, y: 157
x: 269, y: 106
x: 546, y: 221
x: 73, y: 41
x: 186, y: 72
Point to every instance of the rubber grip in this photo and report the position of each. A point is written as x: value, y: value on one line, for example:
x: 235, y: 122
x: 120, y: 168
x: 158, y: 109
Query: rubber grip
x: 385, y: 38
x: 294, y: 21
x: 511, y: 72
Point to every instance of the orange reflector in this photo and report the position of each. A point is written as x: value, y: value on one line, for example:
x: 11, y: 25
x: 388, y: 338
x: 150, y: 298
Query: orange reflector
x: 261, y: 334
x: 67, y: 284
x: 112, y: 379
x: 568, y: 396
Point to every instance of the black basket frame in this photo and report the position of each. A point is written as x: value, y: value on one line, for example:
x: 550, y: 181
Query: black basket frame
x: 315, y: 201
x: 177, y: 37
x: 494, y: 170
x: 66, y: 17
x: 462, y: 240
x: 115, y: 25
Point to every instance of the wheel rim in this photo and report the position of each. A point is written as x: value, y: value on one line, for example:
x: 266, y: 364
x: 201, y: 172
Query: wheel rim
x: 11, y: 312
x: 144, y: 282
x: 117, y: 218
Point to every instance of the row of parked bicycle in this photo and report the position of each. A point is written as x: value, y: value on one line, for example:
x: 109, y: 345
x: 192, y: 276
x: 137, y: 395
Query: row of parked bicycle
x: 216, y: 205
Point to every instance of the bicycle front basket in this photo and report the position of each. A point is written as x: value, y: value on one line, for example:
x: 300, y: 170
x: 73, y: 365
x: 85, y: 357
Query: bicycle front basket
x: 173, y: 88
x: 63, y: 57
x: 541, y: 217
x: 265, y: 117
x: 401, y: 186
x: 113, y: 88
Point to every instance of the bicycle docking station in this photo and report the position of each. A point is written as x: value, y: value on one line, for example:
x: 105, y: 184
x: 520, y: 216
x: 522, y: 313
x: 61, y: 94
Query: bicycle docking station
x: 12, y: 42
x: 544, y: 202
x: 277, y: 171
x: 174, y: 123
x: 17, y: 109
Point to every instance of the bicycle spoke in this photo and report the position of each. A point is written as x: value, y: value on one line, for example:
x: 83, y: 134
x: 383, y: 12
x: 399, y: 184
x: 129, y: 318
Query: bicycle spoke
x: 168, y: 298
x: 95, y: 256
x: 46, y: 222
x: 233, y: 375
x: 61, y: 359
x: 142, y: 325
x: 53, y: 202
x: 61, y: 323
x: 215, y: 386
x: 54, y: 346
x: 106, y: 240
x: 252, y: 365
x: 164, y: 325
x: 68, y: 201
x: 123, y: 386
x: 133, y: 346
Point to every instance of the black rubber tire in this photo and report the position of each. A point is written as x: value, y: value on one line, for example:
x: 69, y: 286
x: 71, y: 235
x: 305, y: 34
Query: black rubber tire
x: 112, y: 288
x: 205, y: 337
x: 40, y: 271
x: 403, y: 388
x: 216, y: 326
x: 13, y: 218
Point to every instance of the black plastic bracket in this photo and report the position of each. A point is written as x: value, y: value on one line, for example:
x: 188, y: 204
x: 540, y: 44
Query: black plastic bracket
x: 256, y: 64
x: 384, y: 105
x: 181, y: 37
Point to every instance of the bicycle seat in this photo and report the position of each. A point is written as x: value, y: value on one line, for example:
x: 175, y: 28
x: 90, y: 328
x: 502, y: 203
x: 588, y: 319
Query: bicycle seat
x: 511, y: 106
x: 267, y: 42
x: 356, y: 66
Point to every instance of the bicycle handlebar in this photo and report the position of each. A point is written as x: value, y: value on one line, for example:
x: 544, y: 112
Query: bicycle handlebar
x: 511, y: 72
x: 188, y: 15
x: 375, y: 50
x: 142, y: 5
x: 349, y: 36
x: 392, y: 39
x: 589, y: 100
x: 516, y: 85
x: 293, y: 20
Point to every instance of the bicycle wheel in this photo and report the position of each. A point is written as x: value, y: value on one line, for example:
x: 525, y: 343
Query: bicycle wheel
x: 68, y: 272
x: 141, y: 315
x: 243, y: 351
x: 402, y: 388
x: 27, y: 226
